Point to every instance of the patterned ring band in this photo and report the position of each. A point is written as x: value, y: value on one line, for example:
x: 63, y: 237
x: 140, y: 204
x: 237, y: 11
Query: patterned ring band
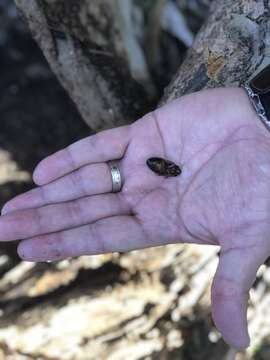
x: 116, y: 176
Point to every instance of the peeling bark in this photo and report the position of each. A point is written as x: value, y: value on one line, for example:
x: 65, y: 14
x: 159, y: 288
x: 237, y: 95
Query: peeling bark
x: 232, y: 45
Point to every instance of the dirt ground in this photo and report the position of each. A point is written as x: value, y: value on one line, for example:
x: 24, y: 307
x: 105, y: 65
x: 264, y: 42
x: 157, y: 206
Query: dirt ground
x: 152, y: 304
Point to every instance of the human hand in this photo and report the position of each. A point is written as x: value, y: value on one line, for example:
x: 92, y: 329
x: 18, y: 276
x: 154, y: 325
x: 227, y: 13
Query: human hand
x: 221, y: 197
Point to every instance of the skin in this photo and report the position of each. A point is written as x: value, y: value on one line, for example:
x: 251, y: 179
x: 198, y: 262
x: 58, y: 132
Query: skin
x: 222, y: 196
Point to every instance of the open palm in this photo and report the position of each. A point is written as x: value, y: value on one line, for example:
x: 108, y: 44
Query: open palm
x: 222, y: 196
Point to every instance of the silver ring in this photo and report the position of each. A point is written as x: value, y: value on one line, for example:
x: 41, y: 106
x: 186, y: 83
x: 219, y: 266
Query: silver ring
x: 116, y: 176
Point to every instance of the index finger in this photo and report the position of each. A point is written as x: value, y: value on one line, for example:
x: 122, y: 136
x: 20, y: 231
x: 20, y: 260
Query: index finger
x: 104, y: 146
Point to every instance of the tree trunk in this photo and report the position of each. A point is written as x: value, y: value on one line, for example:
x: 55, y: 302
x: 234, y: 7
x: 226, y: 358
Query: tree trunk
x: 90, y: 48
x: 85, y: 42
x: 231, y: 46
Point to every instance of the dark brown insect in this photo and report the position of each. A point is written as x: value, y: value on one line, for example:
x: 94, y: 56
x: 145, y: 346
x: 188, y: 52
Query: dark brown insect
x: 163, y: 167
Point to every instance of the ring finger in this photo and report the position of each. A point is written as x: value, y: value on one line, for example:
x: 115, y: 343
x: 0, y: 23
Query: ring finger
x: 89, y: 180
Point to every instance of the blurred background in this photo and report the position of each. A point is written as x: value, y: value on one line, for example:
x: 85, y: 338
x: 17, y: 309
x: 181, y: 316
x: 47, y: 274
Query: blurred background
x: 151, y: 304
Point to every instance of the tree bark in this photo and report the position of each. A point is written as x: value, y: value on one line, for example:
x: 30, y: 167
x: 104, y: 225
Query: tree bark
x: 85, y: 43
x: 88, y: 45
x: 232, y: 45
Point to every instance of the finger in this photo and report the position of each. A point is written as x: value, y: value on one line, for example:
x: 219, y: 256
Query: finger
x: 122, y: 233
x: 33, y: 222
x: 235, y: 275
x: 104, y: 146
x: 89, y: 180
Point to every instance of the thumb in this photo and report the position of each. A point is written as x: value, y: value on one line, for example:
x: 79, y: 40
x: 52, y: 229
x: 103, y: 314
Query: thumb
x: 235, y: 275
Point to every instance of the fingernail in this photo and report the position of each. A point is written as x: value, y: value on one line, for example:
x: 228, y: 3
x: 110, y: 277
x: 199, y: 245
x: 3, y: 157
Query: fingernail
x: 32, y: 250
x: 38, y: 177
x: 7, y: 210
x: 4, y: 210
x: 27, y: 252
x: 22, y: 252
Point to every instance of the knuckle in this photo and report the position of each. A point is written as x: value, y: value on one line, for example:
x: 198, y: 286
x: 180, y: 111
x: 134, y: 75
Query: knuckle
x: 224, y: 289
x: 124, y: 204
x: 70, y: 156
x: 75, y: 212
x: 77, y: 178
x: 100, y: 246
x: 39, y: 220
